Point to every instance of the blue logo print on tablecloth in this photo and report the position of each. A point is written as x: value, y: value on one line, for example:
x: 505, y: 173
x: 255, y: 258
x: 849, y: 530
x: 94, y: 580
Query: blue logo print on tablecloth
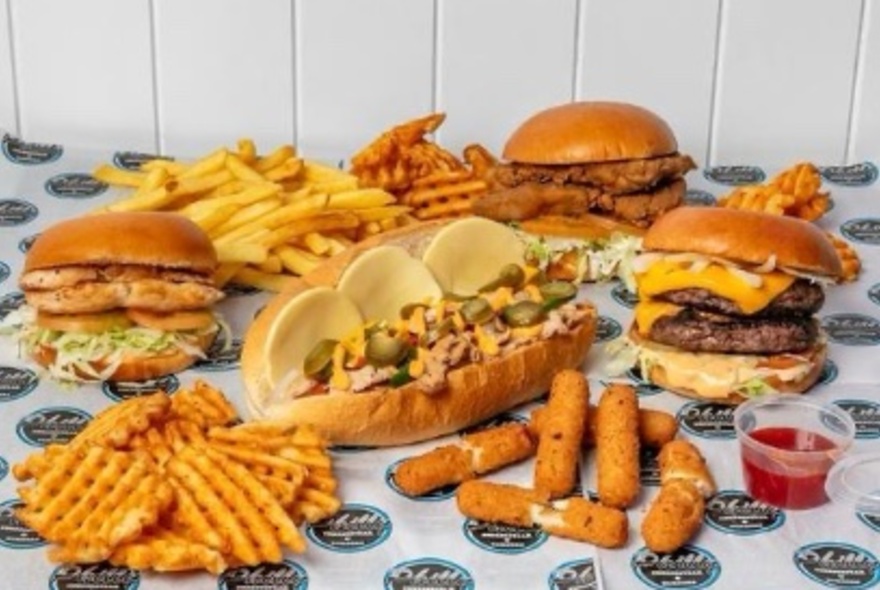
x: 734, y: 175
x: 574, y: 575
x: 737, y: 513
x: 502, y: 538
x: 428, y: 572
x: 643, y: 388
x: 874, y: 293
x: 94, y: 575
x: 14, y: 534
x: 75, y: 185
x: 4, y: 271
x: 221, y: 356
x: 863, y: 174
x: 838, y: 565
x: 123, y: 390
x: 607, y: 329
x: 707, y: 419
x: 852, y: 329
x: 829, y: 372
x: 134, y: 160
x: 689, y: 567
x: 15, y: 383
x: 287, y: 575
x: 10, y: 302
x: 26, y: 242
x: 51, y: 426
x: 29, y: 154
x: 437, y: 495
x: 866, y: 415
x: 873, y: 521
x: 698, y: 198
x: 864, y: 230
x: 354, y: 528
x: 17, y: 212
x: 624, y: 296
x: 4, y: 468
x: 649, y: 466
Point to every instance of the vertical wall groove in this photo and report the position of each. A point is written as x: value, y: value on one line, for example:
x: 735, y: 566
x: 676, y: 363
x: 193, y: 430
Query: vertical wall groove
x: 159, y: 148
x: 578, y: 61
x: 858, y: 76
x: 13, y: 58
x: 437, y: 61
x: 712, y: 127
x: 296, y: 60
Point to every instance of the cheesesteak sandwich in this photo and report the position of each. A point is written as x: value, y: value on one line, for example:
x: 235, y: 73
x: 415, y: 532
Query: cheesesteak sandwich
x: 118, y: 296
x: 727, y: 300
x: 414, y: 334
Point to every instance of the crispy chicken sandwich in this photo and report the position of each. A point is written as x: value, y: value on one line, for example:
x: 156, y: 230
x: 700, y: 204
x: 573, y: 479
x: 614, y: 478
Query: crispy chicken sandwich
x: 118, y: 296
x: 727, y: 300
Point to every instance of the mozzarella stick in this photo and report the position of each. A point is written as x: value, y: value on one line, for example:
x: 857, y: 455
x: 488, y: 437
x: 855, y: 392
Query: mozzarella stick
x: 656, y: 427
x: 617, y: 446
x: 477, y: 453
x: 559, y: 446
x: 680, y: 459
x: 674, y: 517
x: 572, y: 518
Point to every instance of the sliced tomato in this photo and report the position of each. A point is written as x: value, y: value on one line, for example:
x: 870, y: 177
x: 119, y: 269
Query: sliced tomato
x: 781, y: 362
x: 171, y: 322
x: 83, y: 322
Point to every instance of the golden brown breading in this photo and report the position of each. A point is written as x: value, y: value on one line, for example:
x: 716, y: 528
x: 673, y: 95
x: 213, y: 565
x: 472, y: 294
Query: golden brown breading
x: 679, y: 459
x: 674, y: 516
x: 617, y: 446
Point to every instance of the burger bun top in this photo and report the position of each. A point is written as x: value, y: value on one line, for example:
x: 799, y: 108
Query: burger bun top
x: 745, y: 237
x: 586, y: 132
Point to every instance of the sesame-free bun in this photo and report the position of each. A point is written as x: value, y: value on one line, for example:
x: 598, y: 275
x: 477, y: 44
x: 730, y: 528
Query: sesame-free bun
x: 745, y: 237
x: 584, y: 132
x: 166, y: 240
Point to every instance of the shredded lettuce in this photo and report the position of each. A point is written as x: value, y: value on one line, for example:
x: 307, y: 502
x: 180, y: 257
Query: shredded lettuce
x: 623, y: 354
x: 756, y: 388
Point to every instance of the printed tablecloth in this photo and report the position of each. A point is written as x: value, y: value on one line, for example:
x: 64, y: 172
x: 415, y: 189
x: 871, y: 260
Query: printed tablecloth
x: 382, y: 539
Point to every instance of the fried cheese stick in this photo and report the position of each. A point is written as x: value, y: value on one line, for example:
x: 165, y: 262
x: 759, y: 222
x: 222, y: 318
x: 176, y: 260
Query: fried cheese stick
x: 477, y: 453
x: 656, y: 427
x: 571, y: 518
x: 559, y: 446
x: 617, y: 446
x: 677, y: 512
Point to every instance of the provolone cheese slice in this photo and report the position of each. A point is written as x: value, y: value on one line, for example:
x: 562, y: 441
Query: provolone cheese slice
x: 312, y: 316
x: 383, y: 280
x: 467, y: 254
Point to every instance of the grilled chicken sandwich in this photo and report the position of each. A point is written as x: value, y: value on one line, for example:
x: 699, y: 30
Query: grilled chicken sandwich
x: 727, y: 303
x: 119, y: 296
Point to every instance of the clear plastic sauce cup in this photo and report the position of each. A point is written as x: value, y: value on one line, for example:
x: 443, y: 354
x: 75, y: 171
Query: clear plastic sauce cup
x: 788, y: 444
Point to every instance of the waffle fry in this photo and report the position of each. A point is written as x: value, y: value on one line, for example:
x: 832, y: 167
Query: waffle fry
x: 794, y: 192
x: 849, y: 258
x: 179, y: 490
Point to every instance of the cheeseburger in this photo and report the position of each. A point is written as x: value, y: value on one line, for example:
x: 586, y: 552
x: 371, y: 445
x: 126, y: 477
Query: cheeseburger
x: 727, y: 300
x: 617, y: 160
x: 118, y: 296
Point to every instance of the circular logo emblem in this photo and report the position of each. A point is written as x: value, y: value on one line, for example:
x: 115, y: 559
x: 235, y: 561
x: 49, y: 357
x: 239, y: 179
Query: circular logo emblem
x: 698, y: 198
x: 649, y: 466
x: 838, y: 565
x: 866, y: 415
x: 737, y: 513
x: 221, y: 356
x: 643, y: 388
x: 75, y: 186
x: 123, y: 390
x: 286, y: 575
x: 607, y: 329
x: 502, y: 538
x: 236, y: 290
x: 16, y: 383
x: 428, y: 573
x: 4, y: 271
x: 498, y: 420
x: 10, y: 302
x: 4, y: 468
x: 51, y: 426
x: 863, y: 174
x: 29, y: 154
x: 852, y: 329
x: 26, y: 242
x: 707, y: 419
x: 864, y: 230
x: 356, y: 527
x: 689, y: 567
x: 14, y: 534
x: 94, y: 575
x: 829, y: 372
x: 734, y: 175
x: 874, y: 293
x: 870, y: 520
x: 134, y: 160
x: 574, y: 575
x: 624, y: 296
x: 17, y: 212
x: 437, y: 495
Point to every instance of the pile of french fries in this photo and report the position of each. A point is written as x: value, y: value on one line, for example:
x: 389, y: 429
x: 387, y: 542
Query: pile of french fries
x: 270, y: 217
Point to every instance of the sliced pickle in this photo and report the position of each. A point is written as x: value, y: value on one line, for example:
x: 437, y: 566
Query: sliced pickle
x: 383, y: 350
x: 558, y: 290
x: 319, y: 359
x: 523, y: 314
x: 477, y: 311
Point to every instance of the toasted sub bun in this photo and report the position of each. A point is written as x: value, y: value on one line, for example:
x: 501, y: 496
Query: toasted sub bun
x: 384, y: 416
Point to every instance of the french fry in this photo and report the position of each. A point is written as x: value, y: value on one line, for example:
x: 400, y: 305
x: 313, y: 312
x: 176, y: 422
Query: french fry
x: 360, y: 199
x: 316, y: 243
x: 298, y: 261
x: 276, y: 158
x: 261, y: 280
x: 247, y: 151
x: 242, y: 171
x: 154, y: 200
x: 271, y: 265
x: 112, y: 175
x: 210, y: 164
x: 329, y: 221
x: 245, y: 216
x: 242, y: 252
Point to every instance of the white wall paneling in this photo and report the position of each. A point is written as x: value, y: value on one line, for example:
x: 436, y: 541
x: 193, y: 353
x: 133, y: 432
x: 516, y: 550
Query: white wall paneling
x: 865, y: 120
x: 84, y: 71
x: 627, y: 54
x: 8, y: 118
x: 224, y: 70
x: 494, y: 71
x: 785, y: 79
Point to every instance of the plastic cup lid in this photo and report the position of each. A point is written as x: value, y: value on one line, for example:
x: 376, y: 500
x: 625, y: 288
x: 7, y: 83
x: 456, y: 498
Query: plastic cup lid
x: 855, y: 481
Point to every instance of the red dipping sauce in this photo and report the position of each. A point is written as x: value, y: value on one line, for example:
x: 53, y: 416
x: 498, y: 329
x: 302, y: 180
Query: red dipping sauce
x: 779, y: 480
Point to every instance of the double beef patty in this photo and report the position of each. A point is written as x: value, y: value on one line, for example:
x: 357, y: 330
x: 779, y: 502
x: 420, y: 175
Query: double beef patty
x: 709, y: 323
